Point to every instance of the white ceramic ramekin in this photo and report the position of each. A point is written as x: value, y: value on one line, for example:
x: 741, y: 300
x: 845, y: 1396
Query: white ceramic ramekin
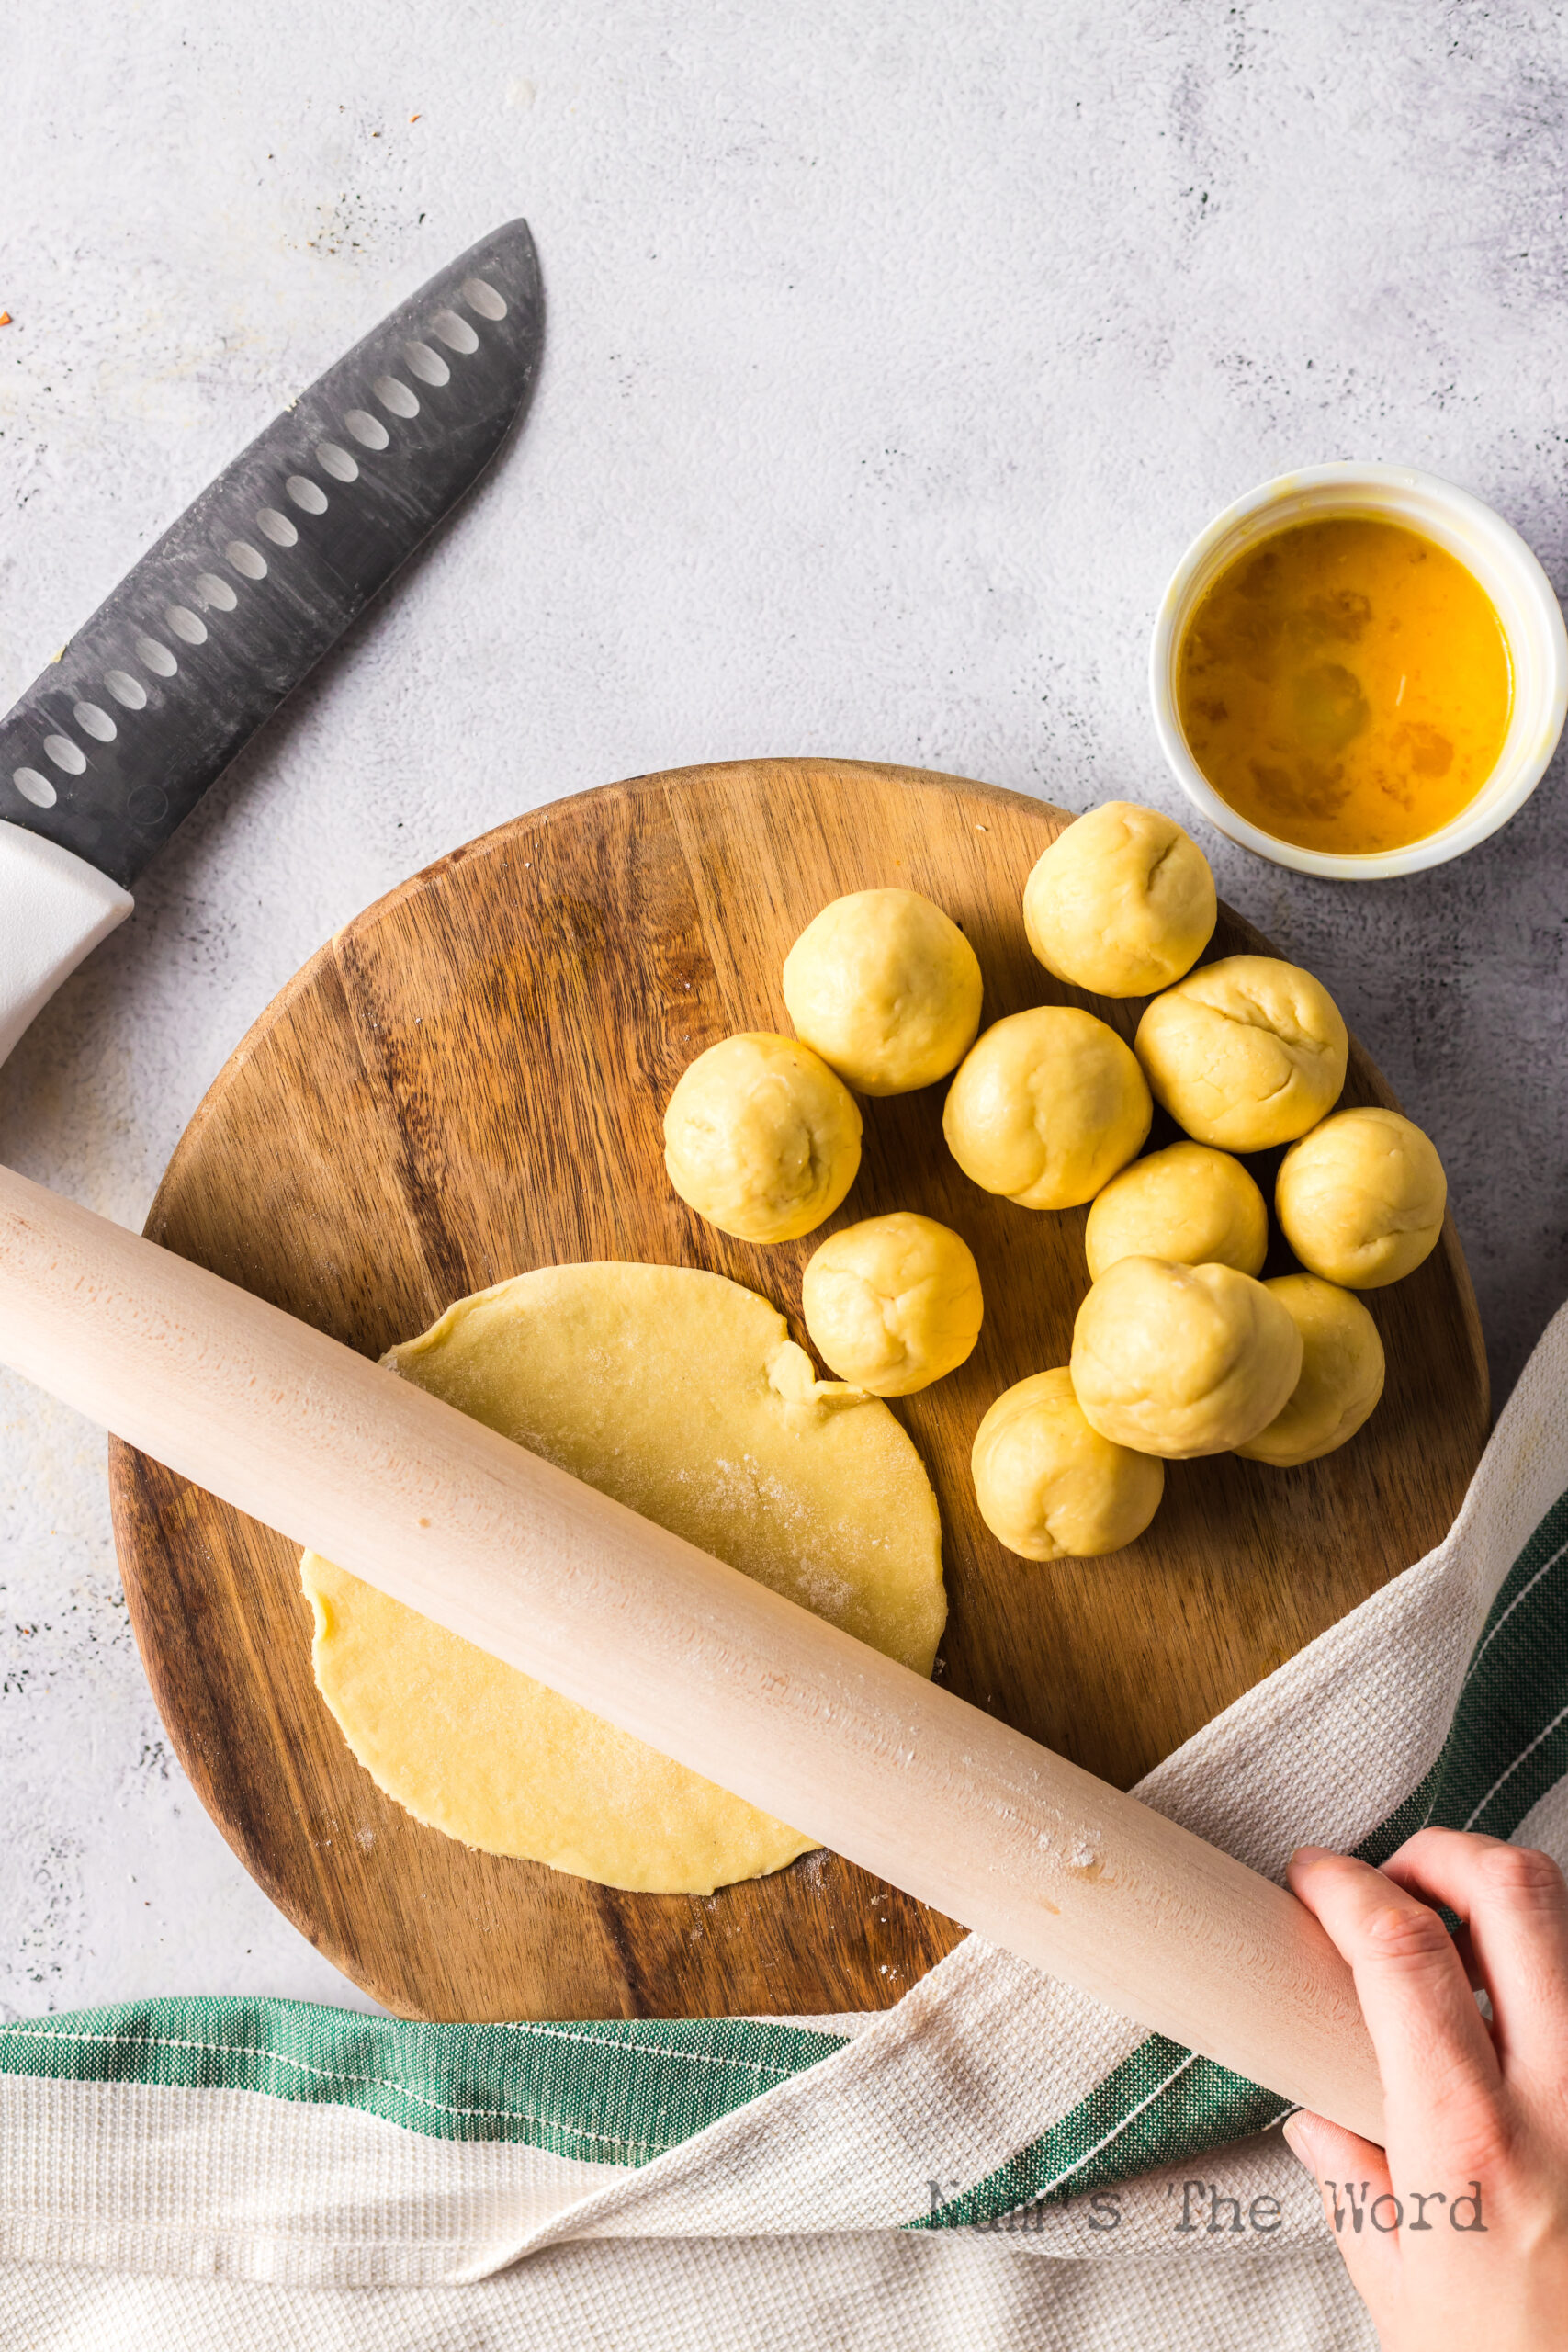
x: 1529, y: 612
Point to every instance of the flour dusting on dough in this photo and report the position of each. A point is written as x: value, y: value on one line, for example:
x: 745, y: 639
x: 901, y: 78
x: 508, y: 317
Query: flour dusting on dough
x: 683, y: 1395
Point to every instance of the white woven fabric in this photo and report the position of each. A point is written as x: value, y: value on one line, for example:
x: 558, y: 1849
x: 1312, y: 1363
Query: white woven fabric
x: 804, y: 2294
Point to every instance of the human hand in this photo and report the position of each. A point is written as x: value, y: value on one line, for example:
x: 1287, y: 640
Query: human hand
x: 1464, y: 2217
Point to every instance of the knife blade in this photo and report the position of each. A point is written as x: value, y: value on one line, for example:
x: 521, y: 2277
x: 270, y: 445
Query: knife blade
x: 108, y: 751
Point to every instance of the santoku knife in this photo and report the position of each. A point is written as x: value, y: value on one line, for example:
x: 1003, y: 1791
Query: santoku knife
x: 108, y: 752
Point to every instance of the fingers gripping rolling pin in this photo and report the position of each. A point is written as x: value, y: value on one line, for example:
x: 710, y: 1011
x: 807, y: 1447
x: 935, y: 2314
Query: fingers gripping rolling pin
x: 501, y: 1547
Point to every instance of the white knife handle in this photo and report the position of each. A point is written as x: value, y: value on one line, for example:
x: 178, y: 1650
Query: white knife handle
x: 503, y: 1548
x: 54, y: 909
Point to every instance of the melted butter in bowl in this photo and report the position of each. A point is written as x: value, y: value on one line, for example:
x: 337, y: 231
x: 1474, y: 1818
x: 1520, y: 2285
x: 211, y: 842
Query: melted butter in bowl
x: 1346, y: 686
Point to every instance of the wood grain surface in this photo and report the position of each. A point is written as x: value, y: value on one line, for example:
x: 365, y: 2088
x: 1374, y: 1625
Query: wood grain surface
x: 468, y: 1081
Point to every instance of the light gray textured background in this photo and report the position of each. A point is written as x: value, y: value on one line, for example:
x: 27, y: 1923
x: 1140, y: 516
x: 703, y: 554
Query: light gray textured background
x: 895, y: 353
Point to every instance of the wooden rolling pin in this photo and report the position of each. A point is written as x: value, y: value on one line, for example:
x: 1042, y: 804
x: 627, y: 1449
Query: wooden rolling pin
x: 632, y: 1621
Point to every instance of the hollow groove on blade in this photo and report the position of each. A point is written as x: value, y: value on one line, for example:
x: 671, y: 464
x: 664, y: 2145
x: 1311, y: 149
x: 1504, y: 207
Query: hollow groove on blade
x: 114, y: 744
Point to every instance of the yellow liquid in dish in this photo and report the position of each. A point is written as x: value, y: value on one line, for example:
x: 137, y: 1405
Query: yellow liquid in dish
x: 1346, y: 686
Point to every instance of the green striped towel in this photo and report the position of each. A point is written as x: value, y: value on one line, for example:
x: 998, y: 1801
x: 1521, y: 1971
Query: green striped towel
x: 241, y: 2171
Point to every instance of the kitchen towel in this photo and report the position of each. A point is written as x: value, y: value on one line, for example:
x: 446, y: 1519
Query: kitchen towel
x: 998, y: 2160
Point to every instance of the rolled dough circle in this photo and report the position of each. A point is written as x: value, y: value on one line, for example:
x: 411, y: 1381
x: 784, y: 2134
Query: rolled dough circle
x: 1244, y: 1054
x: 760, y: 1138
x: 1049, y: 1487
x: 886, y: 989
x: 1046, y: 1108
x: 1122, y: 903
x: 683, y: 1395
x: 894, y: 1303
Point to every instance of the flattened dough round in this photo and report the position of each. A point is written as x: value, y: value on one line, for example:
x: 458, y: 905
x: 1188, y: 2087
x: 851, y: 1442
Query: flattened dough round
x: 683, y: 1396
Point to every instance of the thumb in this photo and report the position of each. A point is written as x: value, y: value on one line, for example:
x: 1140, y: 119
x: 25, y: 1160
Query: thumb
x: 1325, y: 2147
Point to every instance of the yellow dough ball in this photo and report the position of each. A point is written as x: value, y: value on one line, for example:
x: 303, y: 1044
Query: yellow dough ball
x: 1244, y: 1054
x: 1123, y: 902
x: 1046, y: 1108
x: 1342, y: 1377
x: 1182, y: 1360
x: 885, y: 988
x: 892, y: 1304
x: 1361, y: 1200
x: 760, y: 1138
x: 1197, y: 1206
x: 1049, y: 1486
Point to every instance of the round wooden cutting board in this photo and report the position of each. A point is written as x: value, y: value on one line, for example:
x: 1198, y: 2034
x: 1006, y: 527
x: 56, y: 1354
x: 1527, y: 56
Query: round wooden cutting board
x: 468, y: 1081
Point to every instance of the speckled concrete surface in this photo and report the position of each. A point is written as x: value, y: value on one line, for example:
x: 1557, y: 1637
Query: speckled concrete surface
x: 894, y: 355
